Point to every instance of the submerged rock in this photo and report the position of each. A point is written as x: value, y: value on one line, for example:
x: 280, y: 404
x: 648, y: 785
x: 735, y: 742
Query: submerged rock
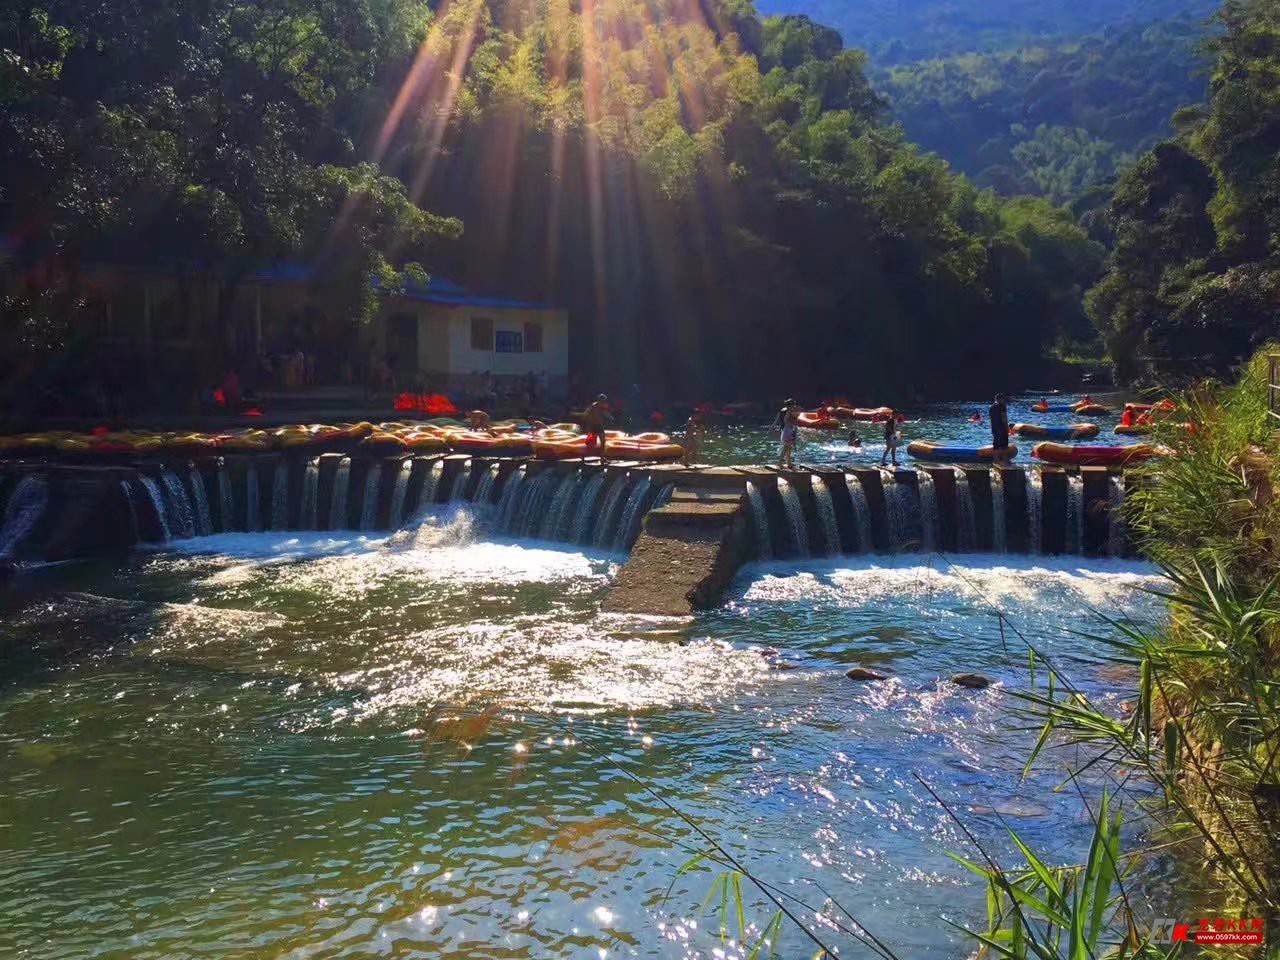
x: 974, y: 681
x: 862, y: 673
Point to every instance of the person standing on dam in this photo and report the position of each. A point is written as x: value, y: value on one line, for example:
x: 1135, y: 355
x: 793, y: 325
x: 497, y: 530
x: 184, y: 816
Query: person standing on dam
x: 998, y: 416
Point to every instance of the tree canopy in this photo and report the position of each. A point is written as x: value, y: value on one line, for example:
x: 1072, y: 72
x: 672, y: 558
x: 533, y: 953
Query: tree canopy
x: 1193, y: 283
x: 1057, y: 118
x: 718, y: 200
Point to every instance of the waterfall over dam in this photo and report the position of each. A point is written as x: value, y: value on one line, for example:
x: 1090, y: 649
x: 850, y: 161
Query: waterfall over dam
x: 51, y: 511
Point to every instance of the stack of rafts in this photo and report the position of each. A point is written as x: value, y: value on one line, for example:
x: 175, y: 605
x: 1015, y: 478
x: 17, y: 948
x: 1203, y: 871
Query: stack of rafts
x: 62, y: 512
x: 949, y: 509
x: 510, y: 438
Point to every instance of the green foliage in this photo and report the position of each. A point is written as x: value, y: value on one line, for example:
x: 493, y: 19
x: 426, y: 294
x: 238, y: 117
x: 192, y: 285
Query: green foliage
x: 899, y: 31
x: 713, y: 196
x: 1204, y: 720
x: 1062, y: 913
x: 1052, y: 119
x: 1193, y: 282
x: 218, y: 133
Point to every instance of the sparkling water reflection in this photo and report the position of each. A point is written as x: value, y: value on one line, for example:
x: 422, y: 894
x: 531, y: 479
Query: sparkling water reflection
x: 336, y: 745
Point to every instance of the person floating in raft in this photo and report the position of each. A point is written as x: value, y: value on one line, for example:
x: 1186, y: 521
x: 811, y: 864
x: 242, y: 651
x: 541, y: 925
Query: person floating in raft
x: 975, y: 417
x: 788, y: 419
x: 998, y: 414
x: 594, y: 419
x: 692, y: 439
x: 891, y: 438
x: 855, y: 441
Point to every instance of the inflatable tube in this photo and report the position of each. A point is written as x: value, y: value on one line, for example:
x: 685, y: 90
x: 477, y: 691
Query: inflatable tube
x: 1054, y: 407
x: 502, y: 445
x: 560, y: 449
x: 860, y: 413
x: 1074, y: 431
x: 1092, y: 410
x: 383, y: 442
x: 423, y: 440
x: 1165, y: 406
x: 633, y: 450
x: 939, y: 453
x: 1132, y: 429
x: 812, y: 420
x: 1084, y: 455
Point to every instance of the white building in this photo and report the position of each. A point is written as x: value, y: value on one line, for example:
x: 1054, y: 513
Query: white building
x: 450, y: 336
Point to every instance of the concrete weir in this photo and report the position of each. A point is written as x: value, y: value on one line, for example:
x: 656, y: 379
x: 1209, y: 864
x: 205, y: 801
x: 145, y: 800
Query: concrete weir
x: 687, y: 530
x: 688, y: 551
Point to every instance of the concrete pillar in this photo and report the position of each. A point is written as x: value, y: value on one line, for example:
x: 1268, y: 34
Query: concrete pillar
x: 983, y: 507
x: 944, y: 485
x: 296, y: 464
x: 1053, y: 510
x: 1097, y: 506
x: 1016, y: 535
x: 328, y: 464
x: 453, y: 464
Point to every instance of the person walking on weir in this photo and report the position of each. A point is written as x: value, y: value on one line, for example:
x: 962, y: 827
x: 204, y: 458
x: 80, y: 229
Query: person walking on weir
x: 788, y: 419
x: 890, y: 438
x: 593, y: 421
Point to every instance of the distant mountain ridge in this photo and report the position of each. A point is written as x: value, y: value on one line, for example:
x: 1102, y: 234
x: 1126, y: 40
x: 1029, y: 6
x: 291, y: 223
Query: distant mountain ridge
x: 896, y: 31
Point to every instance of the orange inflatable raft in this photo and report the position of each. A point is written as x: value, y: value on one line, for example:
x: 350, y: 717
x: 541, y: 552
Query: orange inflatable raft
x: 1088, y: 455
x: 817, y: 420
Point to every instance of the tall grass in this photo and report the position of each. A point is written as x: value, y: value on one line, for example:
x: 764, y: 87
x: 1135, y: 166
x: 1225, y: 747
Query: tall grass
x: 1205, y: 715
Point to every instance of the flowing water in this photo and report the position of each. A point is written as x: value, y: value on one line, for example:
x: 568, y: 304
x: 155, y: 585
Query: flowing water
x: 861, y: 511
x: 997, y: 512
x: 343, y: 745
x: 338, y: 499
x: 200, y: 499
x: 280, y: 497
x: 796, y: 524
x: 252, y: 496
x: 25, y: 505
x: 826, y: 516
x: 369, y: 506
x: 310, y: 496
x: 966, y: 517
x: 1035, y: 510
x: 759, y: 522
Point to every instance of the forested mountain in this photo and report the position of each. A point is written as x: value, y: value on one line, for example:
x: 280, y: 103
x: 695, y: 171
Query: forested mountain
x: 1193, y: 284
x: 1052, y: 119
x: 900, y: 31
x: 720, y: 202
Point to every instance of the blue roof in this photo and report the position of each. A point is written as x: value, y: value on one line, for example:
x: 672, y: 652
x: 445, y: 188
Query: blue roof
x: 440, y: 290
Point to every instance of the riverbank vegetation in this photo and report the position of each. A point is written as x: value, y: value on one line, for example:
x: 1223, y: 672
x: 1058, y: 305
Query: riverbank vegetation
x: 1203, y: 724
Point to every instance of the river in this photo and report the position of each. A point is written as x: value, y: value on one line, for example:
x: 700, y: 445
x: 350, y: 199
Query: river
x: 434, y: 744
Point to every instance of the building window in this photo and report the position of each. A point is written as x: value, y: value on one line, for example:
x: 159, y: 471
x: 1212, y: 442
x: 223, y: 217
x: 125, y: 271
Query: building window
x: 533, y: 338
x: 481, y: 333
x: 509, y: 341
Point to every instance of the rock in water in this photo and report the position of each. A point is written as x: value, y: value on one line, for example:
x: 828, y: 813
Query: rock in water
x: 974, y: 681
x: 862, y: 673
